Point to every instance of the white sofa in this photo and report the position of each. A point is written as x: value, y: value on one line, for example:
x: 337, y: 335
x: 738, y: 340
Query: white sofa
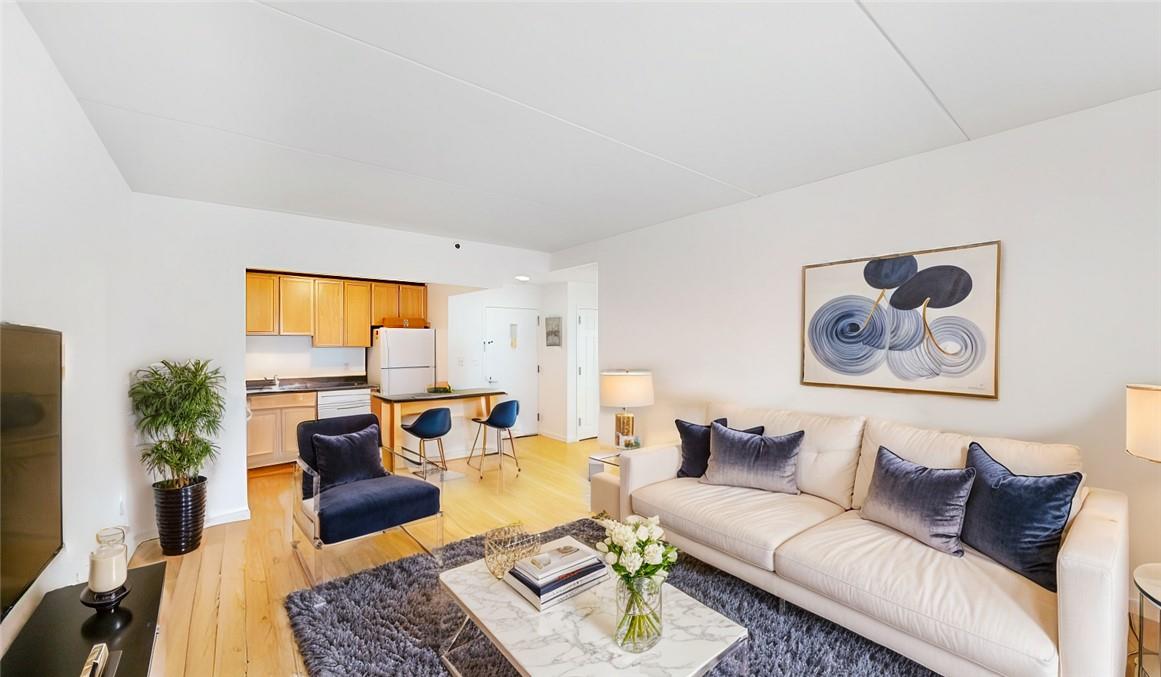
x: 957, y: 616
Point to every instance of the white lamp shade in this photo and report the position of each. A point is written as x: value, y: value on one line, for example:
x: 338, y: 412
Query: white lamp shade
x: 1143, y: 421
x: 626, y: 388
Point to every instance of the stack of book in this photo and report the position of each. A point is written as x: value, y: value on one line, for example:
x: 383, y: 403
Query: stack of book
x: 563, y: 569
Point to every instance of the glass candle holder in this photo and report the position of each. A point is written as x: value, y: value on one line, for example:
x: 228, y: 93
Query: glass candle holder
x: 109, y: 563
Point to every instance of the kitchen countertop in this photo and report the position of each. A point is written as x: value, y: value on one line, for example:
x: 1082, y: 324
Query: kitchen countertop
x: 454, y: 395
x: 306, y: 385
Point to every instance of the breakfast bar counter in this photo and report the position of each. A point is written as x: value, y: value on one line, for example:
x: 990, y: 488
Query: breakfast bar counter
x: 391, y: 410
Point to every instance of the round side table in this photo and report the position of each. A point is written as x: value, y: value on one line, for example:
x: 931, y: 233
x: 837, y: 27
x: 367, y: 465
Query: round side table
x: 1147, y: 578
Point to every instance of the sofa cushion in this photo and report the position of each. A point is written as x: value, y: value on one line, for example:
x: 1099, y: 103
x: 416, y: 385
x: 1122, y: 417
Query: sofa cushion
x: 971, y: 606
x: 695, y: 446
x: 927, y: 504
x: 830, y: 446
x: 739, y: 459
x: 1018, y: 520
x: 938, y: 449
x: 348, y: 457
x: 748, y: 524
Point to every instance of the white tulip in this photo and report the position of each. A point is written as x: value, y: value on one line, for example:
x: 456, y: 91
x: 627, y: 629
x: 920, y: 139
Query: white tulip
x: 642, y: 533
x: 632, y: 519
x: 601, y: 547
x: 631, y: 561
x: 611, y: 558
x: 653, y: 553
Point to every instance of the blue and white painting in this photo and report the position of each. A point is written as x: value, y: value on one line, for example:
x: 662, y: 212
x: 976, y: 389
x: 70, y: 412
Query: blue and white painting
x: 923, y: 321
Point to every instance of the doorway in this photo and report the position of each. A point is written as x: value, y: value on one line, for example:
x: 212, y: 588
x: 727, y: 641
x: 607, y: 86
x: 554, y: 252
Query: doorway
x: 510, y: 351
x: 587, y: 375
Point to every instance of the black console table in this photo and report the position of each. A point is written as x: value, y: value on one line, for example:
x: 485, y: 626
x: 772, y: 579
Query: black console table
x: 62, y: 631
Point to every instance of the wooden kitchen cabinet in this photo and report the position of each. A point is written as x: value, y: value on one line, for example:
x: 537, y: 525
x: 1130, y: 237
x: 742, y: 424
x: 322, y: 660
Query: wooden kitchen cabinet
x: 272, y: 431
x: 261, y: 303
x: 328, y: 310
x: 384, y: 302
x: 356, y: 314
x: 413, y: 304
x: 263, y: 437
x: 296, y: 305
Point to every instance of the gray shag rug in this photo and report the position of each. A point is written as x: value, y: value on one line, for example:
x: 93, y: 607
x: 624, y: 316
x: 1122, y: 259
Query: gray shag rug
x: 393, y: 619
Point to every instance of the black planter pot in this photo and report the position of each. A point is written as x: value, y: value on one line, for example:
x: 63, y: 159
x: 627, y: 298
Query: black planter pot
x: 181, y: 514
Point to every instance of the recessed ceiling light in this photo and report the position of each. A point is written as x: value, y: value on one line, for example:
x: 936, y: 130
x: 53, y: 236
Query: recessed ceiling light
x: 522, y: 278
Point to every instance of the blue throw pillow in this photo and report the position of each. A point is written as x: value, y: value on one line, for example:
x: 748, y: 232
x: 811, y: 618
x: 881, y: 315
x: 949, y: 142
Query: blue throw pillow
x: 695, y: 446
x: 927, y: 504
x: 1018, y: 520
x: 340, y: 459
x: 741, y: 459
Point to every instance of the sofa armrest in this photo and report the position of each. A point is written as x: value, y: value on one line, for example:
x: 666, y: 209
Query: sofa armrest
x: 1092, y: 580
x: 642, y: 467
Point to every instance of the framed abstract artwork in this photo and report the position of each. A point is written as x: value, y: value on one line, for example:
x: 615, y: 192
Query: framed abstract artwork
x: 924, y: 321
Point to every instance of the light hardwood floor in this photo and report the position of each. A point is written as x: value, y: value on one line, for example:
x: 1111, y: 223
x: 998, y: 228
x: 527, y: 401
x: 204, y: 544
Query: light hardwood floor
x: 221, y: 610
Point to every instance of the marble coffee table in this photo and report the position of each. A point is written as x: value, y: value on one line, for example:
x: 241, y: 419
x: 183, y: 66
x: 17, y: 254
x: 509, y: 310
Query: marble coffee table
x: 576, y: 636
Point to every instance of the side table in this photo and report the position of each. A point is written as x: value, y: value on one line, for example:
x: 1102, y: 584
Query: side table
x: 1147, y: 578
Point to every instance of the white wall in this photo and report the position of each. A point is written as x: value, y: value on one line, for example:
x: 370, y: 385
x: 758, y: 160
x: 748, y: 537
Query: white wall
x: 296, y: 357
x: 465, y: 332
x: 711, y: 302
x: 555, y: 364
x: 437, y: 317
x: 131, y: 279
x: 62, y: 195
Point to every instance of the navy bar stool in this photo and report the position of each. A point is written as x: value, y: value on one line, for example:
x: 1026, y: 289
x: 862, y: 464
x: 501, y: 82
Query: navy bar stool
x: 502, y: 418
x: 432, y: 424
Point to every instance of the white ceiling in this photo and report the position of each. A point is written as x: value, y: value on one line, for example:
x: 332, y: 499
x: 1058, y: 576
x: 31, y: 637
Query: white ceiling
x: 548, y: 125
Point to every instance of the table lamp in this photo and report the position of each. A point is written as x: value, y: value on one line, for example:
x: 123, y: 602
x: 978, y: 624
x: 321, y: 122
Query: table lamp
x: 1143, y: 440
x: 626, y: 388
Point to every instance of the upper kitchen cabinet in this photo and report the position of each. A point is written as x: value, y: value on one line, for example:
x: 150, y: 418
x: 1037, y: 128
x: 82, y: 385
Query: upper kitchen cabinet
x: 328, y: 312
x: 296, y: 297
x: 357, y: 314
x: 384, y: 302
x: 413, y: 304
x: 261, y: 303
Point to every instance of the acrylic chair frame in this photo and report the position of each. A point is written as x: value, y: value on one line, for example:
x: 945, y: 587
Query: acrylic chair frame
x: 311, y: 552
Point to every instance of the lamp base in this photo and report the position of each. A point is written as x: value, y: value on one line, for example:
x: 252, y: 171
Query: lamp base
x: 624, y: 436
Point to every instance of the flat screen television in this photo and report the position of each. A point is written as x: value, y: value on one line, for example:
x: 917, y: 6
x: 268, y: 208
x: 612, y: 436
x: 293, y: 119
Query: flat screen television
x: 30, y: 456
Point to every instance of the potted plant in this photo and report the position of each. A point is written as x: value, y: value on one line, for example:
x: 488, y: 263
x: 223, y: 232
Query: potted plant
x: 179, y: 408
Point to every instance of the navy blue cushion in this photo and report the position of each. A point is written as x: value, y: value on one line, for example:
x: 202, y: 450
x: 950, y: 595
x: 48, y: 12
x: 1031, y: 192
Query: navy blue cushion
x: 368, y: 506
x: 348, y: 458
x: 742, y: 459
x: 1018, y: 520
x: 327, y: 426
x: 927, y: 504
x: 695, y: 446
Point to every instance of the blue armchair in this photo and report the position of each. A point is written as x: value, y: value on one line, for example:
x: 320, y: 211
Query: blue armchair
x: 356, y: 509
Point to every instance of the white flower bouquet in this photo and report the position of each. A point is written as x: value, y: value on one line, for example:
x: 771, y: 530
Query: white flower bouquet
x: 636, y: 551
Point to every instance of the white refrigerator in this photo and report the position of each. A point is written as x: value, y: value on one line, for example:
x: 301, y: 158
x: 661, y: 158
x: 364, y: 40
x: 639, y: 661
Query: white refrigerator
x: 401, y: 361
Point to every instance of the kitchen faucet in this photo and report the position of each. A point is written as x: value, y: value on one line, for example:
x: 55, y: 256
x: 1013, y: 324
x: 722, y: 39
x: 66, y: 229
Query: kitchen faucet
x: 275, y: 379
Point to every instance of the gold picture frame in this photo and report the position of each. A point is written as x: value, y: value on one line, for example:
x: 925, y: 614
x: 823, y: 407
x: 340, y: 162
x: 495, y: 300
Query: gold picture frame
x: 844, y: 344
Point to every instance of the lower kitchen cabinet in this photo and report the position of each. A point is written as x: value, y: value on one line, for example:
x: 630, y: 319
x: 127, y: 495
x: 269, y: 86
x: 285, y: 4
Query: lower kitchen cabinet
x: 271, y: 431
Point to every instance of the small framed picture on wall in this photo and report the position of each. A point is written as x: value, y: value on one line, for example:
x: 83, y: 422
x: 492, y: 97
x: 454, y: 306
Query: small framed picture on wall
x: 552, y: 331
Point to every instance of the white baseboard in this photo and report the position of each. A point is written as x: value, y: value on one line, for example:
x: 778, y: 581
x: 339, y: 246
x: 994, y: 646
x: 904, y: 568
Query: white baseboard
x: 552, y: 436
x: 211, y: 521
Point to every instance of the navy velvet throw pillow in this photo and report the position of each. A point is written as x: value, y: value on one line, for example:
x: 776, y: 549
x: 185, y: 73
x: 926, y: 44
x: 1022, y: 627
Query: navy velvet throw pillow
x: 1018, y: 520
x: 741, y: 459
x: 927, y: 504
x: 340, y: 459
x: 695, y: 446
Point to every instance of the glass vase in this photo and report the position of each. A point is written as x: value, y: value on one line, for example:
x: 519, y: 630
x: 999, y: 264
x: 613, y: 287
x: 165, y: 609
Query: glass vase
x: 638, y: 614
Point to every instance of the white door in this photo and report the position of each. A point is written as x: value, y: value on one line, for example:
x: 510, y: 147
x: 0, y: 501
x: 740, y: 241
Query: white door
x: 587, y: 376
x: 510, y: 360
